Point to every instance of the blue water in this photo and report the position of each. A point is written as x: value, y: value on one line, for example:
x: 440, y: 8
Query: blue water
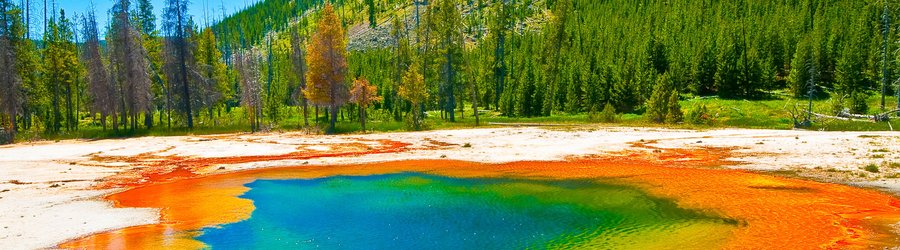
x: 415, y: 211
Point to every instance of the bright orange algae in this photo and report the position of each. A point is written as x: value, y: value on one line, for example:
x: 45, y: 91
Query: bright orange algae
x: 170, y: 168
x: 775, y: 212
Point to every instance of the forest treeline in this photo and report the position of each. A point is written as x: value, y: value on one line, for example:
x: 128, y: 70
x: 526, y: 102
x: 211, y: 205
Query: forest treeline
x: 522, y: 58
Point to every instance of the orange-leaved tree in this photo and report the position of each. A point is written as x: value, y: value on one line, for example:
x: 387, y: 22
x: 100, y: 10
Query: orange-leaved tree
x: 327, y: 59
x: 363, y: 93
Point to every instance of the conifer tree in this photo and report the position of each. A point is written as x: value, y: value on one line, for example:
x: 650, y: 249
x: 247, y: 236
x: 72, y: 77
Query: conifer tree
x: 62, y: 71
x: 658, y: 104
x: 298, y: 63
x: 800, y: 75
x: 327, y: 58
x: 413, y: 89
x: 673, y: 112
x: 213, y: 86
x: 10, y: 81
x: 177, y: 30
x: 450, y: 45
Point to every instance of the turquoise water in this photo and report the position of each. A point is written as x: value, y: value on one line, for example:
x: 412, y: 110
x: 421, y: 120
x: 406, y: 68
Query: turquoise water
x: 416, y: 211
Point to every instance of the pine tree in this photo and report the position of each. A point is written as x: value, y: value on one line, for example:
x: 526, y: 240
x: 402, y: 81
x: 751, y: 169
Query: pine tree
x: 704, y: 72
x: 673, y: 112
x: 144, y: 16
x: 800, y: 75
x: 32, y: 99
x: 732, y: 68
x: 145, y: 21
x: 413, y: 89
x: 499, y: 27
x: 62, y: 71
x: 371, y: 10
x: 10, y: 81
x: 401, y: 60
x: 177, y: 30
x: 658, y: 104
x: 850, y: 82
x: 327, y: 65
x: 213, y: 86
x: 298, y: 63
x: 450, y: 45
x: 657, y: 55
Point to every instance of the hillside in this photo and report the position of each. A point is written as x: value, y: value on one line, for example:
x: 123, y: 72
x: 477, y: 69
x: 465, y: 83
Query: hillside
x: 578, y: 56
x: 660, y: 63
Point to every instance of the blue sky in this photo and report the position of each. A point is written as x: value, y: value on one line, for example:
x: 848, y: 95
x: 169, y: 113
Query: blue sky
x: 197, y: 8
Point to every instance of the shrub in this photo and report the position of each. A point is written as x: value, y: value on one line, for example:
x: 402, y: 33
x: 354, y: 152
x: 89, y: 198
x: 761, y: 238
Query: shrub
x: 699, y: 116
x: 837, y: 105
x: 658, y: 102
x: 871, y: 168
x: 5, y: 138
x: 674, y: 113
x: 607, y: 115
x: 858, y: 103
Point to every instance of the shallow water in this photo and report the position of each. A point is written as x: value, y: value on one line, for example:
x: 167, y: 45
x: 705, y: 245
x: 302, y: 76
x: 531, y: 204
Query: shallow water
x: 416, y: 211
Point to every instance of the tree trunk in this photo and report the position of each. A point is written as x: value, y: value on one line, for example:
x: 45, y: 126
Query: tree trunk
x: 12, y: 132
x: 362, y: 118
x: 168, y: 89
x: 475, y: 101
x: 69, y: 116
x: 334, y: 110
x: 148, y: 119
x: 115, y: 122
x: 182, y: 58
x: 305, y: 114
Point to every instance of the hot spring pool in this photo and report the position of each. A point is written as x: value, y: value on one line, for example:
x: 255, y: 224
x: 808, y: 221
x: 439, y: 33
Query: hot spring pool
x: 418, y: 211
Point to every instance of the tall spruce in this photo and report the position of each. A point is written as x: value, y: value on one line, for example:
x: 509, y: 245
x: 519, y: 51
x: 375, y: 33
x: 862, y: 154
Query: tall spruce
x: 179, y: 57
x: 450, y: 45
x: 298, y: 63
x: 10, y: 81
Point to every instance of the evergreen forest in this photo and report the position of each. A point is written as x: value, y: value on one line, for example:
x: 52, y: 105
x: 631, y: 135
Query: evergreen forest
x: 346, y: 66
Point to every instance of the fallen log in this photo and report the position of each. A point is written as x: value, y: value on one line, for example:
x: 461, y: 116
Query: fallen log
x: 847, y: 116
x: 528, y: 124
x: 840, y: 118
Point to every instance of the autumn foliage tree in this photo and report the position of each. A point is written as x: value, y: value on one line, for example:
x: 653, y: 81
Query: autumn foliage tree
x: 363, y: 93
x: 327, y: 60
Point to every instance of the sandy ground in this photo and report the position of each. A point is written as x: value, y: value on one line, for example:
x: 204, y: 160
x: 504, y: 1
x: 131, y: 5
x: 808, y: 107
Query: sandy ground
x: 48, y: 190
